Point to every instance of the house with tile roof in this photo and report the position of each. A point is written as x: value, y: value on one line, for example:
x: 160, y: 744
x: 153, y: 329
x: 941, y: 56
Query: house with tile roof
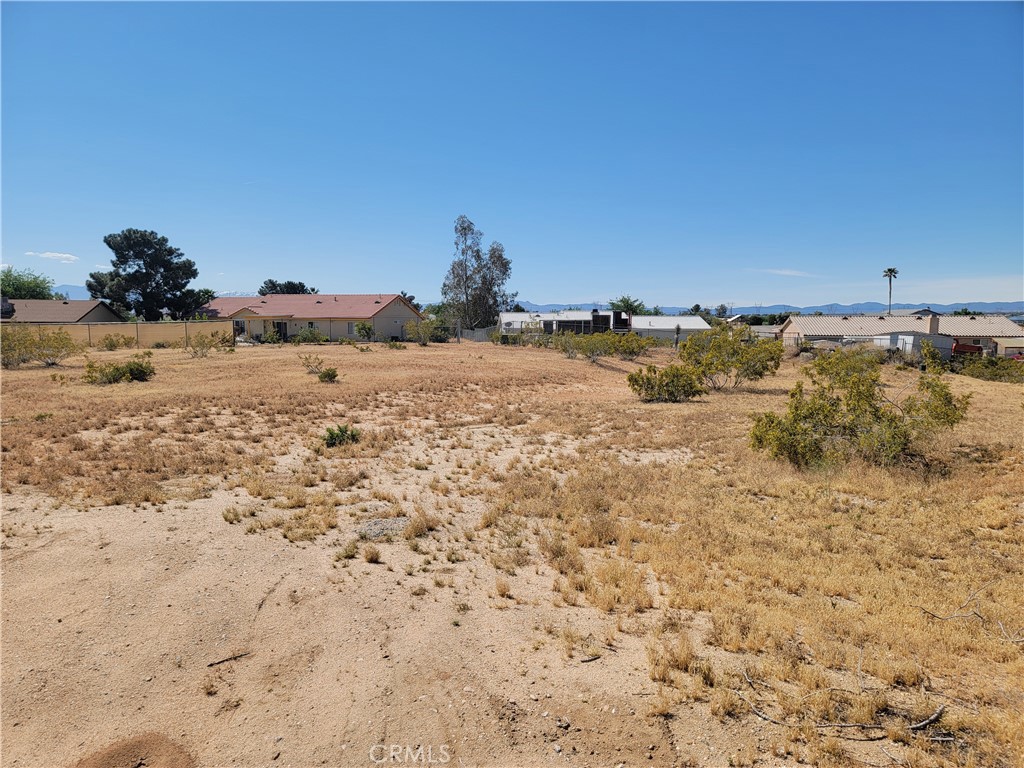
x: 62, y: 311
x: 335, y: 315
x: 972, y: 330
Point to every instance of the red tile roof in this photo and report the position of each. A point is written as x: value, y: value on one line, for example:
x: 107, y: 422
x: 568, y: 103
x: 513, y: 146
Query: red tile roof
x: 349, y: 306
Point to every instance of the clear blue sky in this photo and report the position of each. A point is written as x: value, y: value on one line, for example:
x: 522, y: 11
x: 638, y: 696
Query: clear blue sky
x: 769, y: 153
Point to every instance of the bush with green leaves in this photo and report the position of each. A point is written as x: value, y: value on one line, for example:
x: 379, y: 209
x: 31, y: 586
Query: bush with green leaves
x: 201, y: 344
x: 138, y: 368
x: 425, y: 332
x: 308, y: 336
x: 630, y: 346
x: 271, y: 337
x: 729, y: 356
x: 54, y: 347
x: 17, y: 345
x: 394, y: 345
x: 364, y: 330
x: 113, y: 341
x: 672, y: 384
x: 1004, y: 369
x: 328, y: 375
x: 342, y: 434
x: 848, y: 414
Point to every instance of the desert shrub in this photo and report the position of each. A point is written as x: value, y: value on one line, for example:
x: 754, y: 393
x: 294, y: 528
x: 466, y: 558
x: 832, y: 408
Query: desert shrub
x: 848, y: 415
x: 161, y: 344
x: 113, y: 341
x: 629, y: 346
x: 672, y: 384
x: 312, y: 363
x: 728, y: 356
x: 308, y: 336
x: 596, y: 345
x: 340, y: 435
x: 994, y: 369
x: 364, y: 330
x: 272, y: 337
x: 425, y: 332
x: 138, y: 368
x: 17, y: 345
x: 201, y: 344
x: 328, y: 375
x: 565, y: 342
x: 395, y: 345
x: 53, y: 347
x: 494, y: 337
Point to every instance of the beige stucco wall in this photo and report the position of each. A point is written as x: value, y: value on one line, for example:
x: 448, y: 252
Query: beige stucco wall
x: 145, y: 334
x: 391, y: 320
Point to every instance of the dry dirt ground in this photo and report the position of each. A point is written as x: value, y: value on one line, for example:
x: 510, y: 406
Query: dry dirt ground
x: 518, y: 564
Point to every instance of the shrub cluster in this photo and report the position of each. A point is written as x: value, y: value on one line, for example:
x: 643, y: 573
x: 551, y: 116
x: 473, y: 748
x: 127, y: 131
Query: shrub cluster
x: 340, y: 435
x: 672, y: 384
x: 593, y: 346
x: 20, y: 344
x: 848, y: 415
x: 138, y: 368
x: 425, y: 332
x: 729, y: 356
x: 308, y: 336
x: 328, y: 375
x: 1004, y: 369
x: 113, y: 341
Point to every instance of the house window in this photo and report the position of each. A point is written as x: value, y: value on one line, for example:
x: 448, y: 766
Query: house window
x: 976, y: 342
x: 351, y: 328
x: 311, y: 324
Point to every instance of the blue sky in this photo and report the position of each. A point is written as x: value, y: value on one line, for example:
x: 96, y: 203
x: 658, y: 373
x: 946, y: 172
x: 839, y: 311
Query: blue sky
x: 692, y: 152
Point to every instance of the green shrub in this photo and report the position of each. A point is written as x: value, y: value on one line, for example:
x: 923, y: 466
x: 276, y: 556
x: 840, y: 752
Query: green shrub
x: 161, y: 344
x: 395, y: 345
x: 848, y: 415
x: 138, y: 368
x: 630, y: 346
x: 728, y: 356
x: 271, y: 337
x: 672, y: 384
x: 201, y: 344
x: 1004, y: 369
x: 328, y: 375
x: 308, y: 336
x: 425, y: 332
x: 53, y: 347
x: 340, y: 435
x: 113, y: 341
x: 566, y: 342
x: 17, y: 345
x: 364, y: 330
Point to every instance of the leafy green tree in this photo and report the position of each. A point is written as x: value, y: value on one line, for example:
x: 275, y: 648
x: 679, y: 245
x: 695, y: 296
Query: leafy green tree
x: 285, y: 286
x: 967, y: 311
x: 628, y: 304
x: 890, y: 275
x: 364, y: 330
x: 148, y: 277
x: 729, y: 356
x: 848, y: 414
x: 721, y: 311
x: 474, y: 288
x: 26, y: 284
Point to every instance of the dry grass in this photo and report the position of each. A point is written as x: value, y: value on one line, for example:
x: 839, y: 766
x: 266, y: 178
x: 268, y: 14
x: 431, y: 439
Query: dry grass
x: 850, y: 596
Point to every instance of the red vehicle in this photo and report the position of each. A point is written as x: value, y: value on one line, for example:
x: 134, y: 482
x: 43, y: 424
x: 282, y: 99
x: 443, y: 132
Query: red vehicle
x: 967, y: 349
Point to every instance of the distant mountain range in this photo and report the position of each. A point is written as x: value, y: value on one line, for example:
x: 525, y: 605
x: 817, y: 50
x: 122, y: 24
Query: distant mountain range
x: 861, y: 308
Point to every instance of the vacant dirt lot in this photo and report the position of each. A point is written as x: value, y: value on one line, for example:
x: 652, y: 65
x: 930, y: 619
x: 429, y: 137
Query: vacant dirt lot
x: 518, y: 564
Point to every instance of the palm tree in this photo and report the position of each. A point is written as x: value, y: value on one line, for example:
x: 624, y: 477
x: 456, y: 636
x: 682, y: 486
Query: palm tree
x: 890, y: 273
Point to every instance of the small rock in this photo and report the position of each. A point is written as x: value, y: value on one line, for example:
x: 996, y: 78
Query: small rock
x: 558, y: 747
x: 544, y: 714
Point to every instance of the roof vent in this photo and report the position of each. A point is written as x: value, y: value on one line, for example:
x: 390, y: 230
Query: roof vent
x: 318, y: 301
x: 881, y: 317
x: 263, y: 301
x: 973, y: 317
x: 845, y: 317
x: 64, y: 302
